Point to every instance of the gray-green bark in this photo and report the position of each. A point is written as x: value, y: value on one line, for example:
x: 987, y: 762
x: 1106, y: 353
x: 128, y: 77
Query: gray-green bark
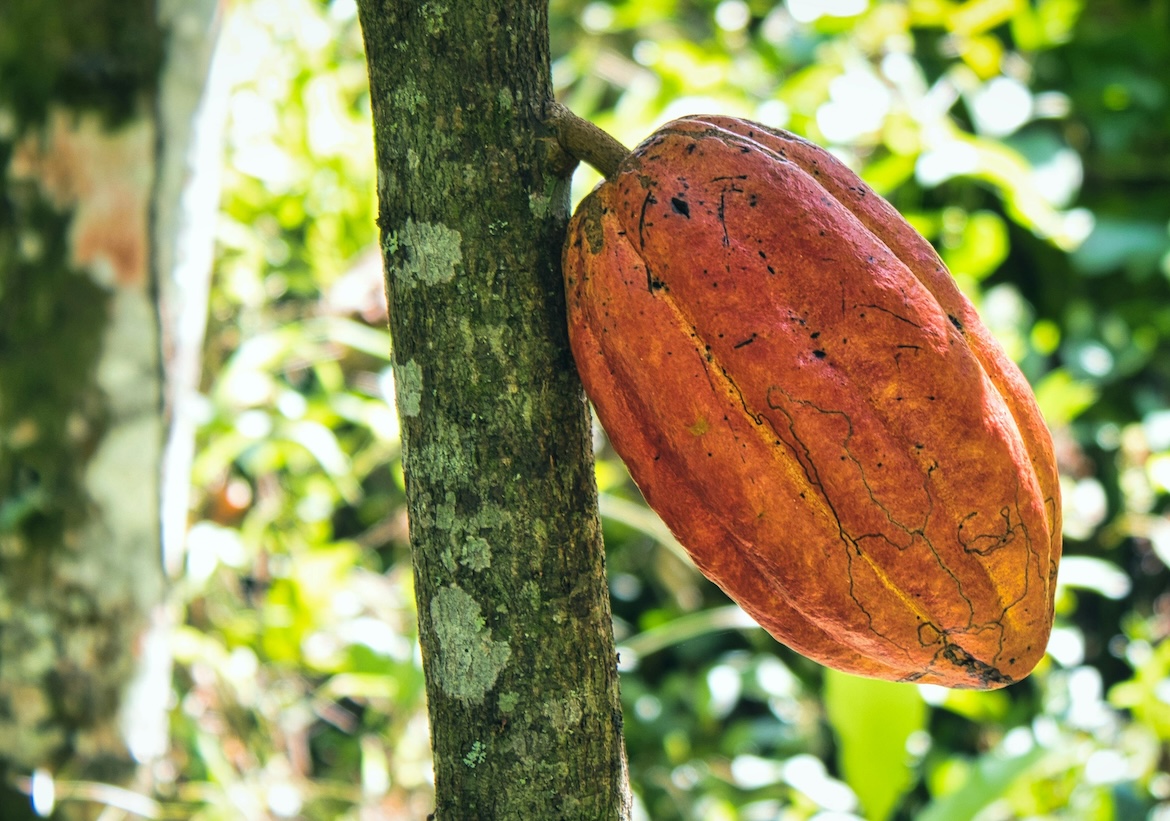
x: 514, y: 615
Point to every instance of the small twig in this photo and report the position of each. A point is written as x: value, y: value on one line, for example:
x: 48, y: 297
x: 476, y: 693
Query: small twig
x: 583, y: 140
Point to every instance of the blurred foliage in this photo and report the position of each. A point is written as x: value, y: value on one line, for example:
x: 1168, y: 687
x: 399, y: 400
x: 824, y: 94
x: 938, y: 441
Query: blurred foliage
x: 1029, y: 140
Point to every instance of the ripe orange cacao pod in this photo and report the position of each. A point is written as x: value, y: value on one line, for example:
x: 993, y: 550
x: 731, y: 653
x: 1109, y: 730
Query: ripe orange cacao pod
x: 812, y: 406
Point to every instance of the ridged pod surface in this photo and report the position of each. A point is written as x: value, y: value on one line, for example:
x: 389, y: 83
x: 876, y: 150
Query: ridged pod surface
x: 808, y: 401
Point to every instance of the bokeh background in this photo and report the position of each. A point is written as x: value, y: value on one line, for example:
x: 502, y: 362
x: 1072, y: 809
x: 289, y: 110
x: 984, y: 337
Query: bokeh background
x: 1028, y: 139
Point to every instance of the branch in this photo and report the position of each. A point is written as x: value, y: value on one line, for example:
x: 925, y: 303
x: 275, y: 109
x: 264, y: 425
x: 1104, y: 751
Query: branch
x: 583, y: 140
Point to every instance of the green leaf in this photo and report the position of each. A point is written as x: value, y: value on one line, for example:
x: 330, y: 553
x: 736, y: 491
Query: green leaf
x: 979, y: 16
x: 978, y: 246
x: 889, y: 172
x: 640, y: 518
x: 873, y: 720
x: 986, y: 782
x: 979, y: 706
x: 684, y: 628
x: 1144, y: 694
x: 1136, y: 245
x: 1062, y: 398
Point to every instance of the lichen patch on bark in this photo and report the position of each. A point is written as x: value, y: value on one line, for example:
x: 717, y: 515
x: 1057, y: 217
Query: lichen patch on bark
x: 428, y: 253
x: 476, y: 554
x: 469, y: 660
x: 408, y: 383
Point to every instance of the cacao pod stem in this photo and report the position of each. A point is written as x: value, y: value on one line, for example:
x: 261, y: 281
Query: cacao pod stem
x: 583, y: 140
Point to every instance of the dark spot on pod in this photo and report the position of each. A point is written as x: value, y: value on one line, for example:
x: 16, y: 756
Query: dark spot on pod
x: 955, y: 321
x: 680, y: 207
x: 819, y: 354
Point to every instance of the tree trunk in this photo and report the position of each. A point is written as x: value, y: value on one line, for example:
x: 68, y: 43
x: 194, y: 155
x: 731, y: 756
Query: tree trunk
x: 514, y: 615
x: 93, y: 165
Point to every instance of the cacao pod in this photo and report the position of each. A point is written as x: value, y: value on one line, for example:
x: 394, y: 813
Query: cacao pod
x: 805, y: 397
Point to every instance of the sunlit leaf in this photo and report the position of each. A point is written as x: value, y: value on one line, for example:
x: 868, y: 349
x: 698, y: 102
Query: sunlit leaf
x: 682, y: 628
x: 1090, y: 573
x: 977, y: 16
x: 990, y: 777
x: 1062, y: 397
x: 873, y: 720
x: 981, y: 706
x: 979, y: 247
x: 1146, y: 693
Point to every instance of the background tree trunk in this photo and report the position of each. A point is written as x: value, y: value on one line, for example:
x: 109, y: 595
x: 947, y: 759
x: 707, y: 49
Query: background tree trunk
x: 95, y: 219
x: 514, y: 614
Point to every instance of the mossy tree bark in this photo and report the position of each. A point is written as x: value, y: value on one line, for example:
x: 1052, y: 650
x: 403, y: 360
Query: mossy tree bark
x: 514, y: 615
x: 93, y: 163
